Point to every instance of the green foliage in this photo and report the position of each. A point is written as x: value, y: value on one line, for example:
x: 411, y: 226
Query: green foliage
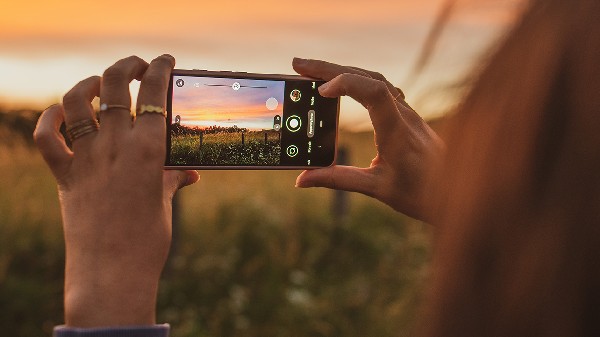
x: 251, y: 256
x: 17, y: 126
x: 31, y: 245
x: 249, y: 274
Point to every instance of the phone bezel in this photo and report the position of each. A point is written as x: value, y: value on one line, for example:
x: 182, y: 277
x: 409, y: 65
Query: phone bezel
x: 241, y: 75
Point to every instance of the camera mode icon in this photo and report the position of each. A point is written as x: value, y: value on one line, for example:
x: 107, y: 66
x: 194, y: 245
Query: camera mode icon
x: 295, y: 95
x: 292, y: 150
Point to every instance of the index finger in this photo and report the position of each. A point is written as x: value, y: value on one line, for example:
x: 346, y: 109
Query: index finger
x: 114, y: 93
x: 379, y: 76
x: 372, y: 94
x: 324, y: 70
x: 153, y: 93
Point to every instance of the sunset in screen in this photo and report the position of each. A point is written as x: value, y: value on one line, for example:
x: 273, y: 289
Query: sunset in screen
x: 204, y: 102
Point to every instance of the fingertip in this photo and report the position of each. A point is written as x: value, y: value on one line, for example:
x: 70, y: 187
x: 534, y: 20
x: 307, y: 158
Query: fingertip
x: 49, y: 141
x: 303, y: 181
x: 332, y: 89
x: 192, y: 177
x: 304, y: 67
x: 299, y: 62
x: 323, y: 88
x: 55, y: 108
x: 174, y: 180
x: 167, y: 57
x: 296, y: 65
x: 48, y: 123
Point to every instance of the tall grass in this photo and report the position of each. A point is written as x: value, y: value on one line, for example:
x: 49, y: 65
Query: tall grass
x: 31, y: 244
x: 252, y: 256
x: 226, y: 148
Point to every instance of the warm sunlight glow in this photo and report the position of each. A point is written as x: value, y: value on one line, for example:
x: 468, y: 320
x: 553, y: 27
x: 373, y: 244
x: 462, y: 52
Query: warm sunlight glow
x: 47, y: 46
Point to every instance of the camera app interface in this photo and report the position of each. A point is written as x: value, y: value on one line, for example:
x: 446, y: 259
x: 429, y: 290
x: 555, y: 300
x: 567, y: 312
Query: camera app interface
x: 242, y: 122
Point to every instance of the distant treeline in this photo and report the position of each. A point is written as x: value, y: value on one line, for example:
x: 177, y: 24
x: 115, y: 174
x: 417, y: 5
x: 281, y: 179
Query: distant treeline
x: 179, y: 129
x: 18, y: 126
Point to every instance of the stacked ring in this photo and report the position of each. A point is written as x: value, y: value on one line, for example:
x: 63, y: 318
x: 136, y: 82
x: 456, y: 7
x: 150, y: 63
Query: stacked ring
x: 147, y: 108
x: 82, y: 128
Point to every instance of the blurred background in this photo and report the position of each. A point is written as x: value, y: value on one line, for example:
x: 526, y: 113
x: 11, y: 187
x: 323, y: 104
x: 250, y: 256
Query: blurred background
x: 252, y: 255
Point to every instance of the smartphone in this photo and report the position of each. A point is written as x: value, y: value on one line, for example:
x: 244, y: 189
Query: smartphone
x: 233, y: 120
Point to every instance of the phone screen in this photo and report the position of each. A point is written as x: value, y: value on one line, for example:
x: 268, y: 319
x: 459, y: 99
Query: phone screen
x: 245, y: 121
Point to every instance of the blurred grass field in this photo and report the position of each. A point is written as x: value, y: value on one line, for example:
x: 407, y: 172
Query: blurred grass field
x: 226, y: 148
x: 252, y: 255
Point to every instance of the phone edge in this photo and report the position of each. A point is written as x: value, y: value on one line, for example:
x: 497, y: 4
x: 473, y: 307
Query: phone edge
x: 232, y: 74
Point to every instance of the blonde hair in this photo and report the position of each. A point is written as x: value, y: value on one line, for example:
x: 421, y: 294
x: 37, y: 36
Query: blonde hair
x: 518, y: 215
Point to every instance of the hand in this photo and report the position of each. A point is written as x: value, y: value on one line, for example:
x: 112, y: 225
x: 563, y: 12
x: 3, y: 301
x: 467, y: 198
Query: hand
x: 406, y: 145
x: 115, y: 197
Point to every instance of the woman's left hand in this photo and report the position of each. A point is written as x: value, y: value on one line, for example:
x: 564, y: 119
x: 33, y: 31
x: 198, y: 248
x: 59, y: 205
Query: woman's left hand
x: 115, y: 196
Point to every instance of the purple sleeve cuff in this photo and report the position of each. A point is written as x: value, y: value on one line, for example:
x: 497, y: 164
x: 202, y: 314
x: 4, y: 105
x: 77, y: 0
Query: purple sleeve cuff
x: 159, y: 330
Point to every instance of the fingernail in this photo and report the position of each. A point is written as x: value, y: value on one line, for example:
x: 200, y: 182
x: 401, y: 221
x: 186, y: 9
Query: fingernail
x: 193, y: 178
x: 324, y: 86
x: 299, y: 61
x: 169, y: 56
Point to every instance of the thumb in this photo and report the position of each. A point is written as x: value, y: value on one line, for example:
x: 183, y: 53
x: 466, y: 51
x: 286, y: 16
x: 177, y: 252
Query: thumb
x: 174, y: 180
x: 338, y: 177
x: 51, y: 143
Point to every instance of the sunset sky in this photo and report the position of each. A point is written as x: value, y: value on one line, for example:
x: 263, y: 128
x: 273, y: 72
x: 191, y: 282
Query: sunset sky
x: 48, y: 46
x: 206, y: 102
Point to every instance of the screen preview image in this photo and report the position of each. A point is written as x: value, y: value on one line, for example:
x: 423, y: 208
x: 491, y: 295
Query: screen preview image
x: 226, y: 121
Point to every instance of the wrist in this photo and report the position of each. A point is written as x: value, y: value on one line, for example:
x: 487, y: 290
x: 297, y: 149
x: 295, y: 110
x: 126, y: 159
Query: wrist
x: 109, y: 298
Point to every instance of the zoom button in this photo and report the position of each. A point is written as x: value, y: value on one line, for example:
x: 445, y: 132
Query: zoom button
x: 310, y: 130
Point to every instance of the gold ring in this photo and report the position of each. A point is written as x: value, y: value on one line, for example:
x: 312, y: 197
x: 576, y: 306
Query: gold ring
x: 147, y: 108
x: 104, y: 107
x: 82, y: 128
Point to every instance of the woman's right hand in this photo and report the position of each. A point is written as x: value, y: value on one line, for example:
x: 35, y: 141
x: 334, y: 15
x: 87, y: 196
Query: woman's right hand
x: 406, y: 145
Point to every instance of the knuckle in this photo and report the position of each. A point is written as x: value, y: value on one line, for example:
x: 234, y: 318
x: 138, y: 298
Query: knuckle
x: 72, y: 98
x: 150, y: 150
x: 378, y: 76
x: 401, y: 93
x: 378, y: 90
x: 40, y: 136
x: 148, y: 144
x: 165, y: 60
x: 133, y: 58
x: 345, y: 77
x: 318, y: 65
x: 113, y: 76
x: 155, y: 82
x: 110, y: 152
x: 93, y: 78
